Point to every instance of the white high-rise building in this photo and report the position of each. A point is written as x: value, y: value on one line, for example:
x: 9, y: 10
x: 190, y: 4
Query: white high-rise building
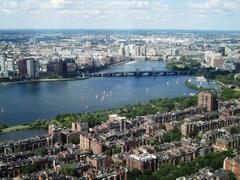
x: 33, y: 68
x: 9, y: 64
x: 127, y: 51
x: 2, y: 64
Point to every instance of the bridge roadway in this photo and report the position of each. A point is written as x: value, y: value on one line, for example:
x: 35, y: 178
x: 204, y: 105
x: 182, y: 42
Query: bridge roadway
x: 140, y: 73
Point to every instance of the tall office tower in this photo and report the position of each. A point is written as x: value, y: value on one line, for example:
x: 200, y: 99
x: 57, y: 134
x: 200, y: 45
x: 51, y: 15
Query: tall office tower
x: 22, y: 67
x: 2, y: 64
x: 33, y: 68
x: 208, y: 99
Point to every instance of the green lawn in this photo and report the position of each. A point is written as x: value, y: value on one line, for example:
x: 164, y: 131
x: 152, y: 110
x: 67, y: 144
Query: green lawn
x: 15, y: 128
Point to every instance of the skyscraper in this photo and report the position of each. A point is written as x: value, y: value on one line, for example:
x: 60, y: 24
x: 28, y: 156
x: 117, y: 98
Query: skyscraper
x: 32, y: 68
x: 22, y: 67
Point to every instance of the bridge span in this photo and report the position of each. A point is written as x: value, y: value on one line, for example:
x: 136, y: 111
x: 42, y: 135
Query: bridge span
x: 140, y: 73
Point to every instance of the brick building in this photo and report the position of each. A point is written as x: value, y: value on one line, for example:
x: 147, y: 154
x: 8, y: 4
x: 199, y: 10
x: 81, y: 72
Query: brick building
x: 233, y: 165
x: 144, y: 161
x: 209, y: 100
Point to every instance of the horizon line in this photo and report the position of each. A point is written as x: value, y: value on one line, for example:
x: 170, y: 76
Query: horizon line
x: 116, y: 29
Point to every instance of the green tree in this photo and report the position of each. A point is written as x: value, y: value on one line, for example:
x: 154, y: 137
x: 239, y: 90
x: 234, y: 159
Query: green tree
x: 134, y: 174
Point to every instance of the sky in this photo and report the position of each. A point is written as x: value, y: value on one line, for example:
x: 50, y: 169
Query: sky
x: 120, y: 14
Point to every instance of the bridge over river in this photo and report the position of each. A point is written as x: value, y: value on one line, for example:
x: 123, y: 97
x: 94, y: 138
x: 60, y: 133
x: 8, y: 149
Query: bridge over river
x: 140, y: 73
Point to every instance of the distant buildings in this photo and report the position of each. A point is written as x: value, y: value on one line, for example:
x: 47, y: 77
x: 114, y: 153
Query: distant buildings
x: 69, y: 66
x: 29, y: 67
x: 55, y: 67
x: 61, y: 67
x: 214, y: 60
x: 208, y: 99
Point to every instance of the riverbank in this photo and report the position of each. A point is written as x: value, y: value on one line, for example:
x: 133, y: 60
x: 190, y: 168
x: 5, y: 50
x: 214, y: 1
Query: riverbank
x: 14, y: 128
x: 94, y: 118
x: 43, y: 80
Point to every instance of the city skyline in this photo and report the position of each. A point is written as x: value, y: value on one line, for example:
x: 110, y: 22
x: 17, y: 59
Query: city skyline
x: 132, y: 14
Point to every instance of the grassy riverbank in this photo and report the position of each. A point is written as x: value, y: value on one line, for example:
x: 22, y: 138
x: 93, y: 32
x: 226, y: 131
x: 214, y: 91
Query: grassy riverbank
x: 14, y: 128
x: 95, y: 118
x: 129, y: 111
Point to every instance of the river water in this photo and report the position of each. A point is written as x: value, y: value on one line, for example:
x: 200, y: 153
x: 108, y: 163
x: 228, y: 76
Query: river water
x: 23, y: 103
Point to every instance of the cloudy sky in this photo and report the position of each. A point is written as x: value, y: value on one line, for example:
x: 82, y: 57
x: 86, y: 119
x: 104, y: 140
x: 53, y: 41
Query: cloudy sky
x: 120, y: 14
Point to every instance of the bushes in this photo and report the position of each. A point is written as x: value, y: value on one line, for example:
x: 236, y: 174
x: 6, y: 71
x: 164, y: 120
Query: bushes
x: 174, y: 135
x: 69, y: 170
x: 228, y: 94
x: 28, y: 169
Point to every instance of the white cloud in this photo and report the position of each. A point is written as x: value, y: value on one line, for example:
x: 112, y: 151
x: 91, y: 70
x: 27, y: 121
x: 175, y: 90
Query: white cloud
x: 217, y: 6
x: 83, y: 7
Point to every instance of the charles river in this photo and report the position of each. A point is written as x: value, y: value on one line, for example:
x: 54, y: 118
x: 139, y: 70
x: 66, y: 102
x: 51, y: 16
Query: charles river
x: 23, y: 103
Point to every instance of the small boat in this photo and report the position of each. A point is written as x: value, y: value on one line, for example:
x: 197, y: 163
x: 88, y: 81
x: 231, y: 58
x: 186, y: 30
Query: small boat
x: 2, y: 110
x: 131, y: 62
x: 96, y: 96
x: 167, y: 83
x: 147, y: 90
